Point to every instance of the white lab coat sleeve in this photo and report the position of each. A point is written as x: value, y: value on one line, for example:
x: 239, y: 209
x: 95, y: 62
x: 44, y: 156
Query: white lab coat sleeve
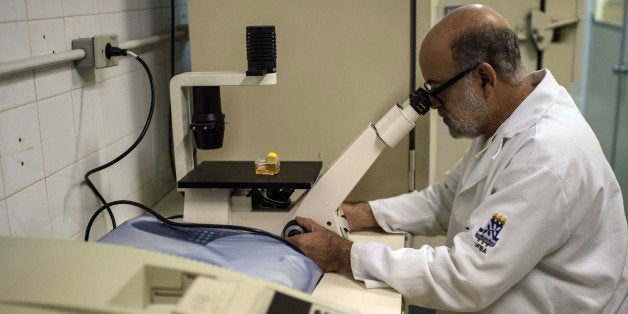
x: 471, y: 274
x: 420, y: 213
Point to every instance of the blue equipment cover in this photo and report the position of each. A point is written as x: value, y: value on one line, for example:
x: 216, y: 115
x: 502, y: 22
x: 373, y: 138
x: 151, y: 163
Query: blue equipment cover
x: 253, y: 254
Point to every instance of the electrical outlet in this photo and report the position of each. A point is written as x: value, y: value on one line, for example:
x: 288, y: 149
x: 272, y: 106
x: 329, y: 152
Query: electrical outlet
x: 94, y: 47
x: 100, y: 43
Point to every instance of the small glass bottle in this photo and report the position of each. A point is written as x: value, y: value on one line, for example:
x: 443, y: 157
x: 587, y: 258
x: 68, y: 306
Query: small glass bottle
x: 268, y: 165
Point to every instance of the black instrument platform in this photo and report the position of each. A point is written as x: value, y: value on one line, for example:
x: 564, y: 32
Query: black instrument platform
x: 241, y: 175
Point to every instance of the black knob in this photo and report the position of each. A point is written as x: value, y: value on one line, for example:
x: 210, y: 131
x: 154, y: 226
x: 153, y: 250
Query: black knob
x: 291, y: 229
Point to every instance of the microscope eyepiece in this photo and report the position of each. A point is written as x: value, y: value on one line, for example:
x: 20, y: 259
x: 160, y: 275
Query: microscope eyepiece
x: 420, y: 101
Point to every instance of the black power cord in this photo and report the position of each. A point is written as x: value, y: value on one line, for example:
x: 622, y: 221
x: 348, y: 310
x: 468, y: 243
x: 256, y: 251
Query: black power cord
x: 111, y: 51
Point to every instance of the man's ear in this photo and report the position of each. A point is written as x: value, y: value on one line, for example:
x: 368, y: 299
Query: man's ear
x: 488, y: 77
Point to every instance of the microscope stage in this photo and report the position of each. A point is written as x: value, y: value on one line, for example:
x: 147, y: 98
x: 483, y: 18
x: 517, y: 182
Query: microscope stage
x: 241, y: 175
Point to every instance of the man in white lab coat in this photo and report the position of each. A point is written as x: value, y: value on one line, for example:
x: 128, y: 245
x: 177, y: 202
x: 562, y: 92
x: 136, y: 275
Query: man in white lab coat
x: 533, y: 214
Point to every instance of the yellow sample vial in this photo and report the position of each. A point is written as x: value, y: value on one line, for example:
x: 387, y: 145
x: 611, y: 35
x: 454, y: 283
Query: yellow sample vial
x: 268, y: 165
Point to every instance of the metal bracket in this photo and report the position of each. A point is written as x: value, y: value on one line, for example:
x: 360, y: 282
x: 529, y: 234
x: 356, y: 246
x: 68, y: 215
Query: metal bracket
x: 541, y: 28
x: 620, y: 68
x: 87, y: 44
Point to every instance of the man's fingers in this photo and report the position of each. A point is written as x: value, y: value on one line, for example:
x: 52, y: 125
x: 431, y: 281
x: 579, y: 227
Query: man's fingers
x: 298, y: 242
x: 294, y: 239
x: 308, y: 224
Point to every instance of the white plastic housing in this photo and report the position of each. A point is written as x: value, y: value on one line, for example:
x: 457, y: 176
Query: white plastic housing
x: 396, y: 123
x: 180, y: 107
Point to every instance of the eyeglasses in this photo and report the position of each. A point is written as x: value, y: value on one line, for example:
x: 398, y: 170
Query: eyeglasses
x: 426, y: 92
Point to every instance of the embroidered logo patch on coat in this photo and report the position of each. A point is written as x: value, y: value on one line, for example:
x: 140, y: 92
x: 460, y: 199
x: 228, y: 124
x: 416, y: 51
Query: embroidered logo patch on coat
x: 488, y: 236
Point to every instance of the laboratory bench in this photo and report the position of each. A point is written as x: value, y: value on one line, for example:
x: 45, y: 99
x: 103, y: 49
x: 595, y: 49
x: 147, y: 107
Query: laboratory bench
x: 333, y: 287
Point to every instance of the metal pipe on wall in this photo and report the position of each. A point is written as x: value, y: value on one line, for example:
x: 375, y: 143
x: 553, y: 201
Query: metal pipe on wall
x: 621, y: 78
x: 138, y: 43
x: 27, y: 64
x: 17, y: 66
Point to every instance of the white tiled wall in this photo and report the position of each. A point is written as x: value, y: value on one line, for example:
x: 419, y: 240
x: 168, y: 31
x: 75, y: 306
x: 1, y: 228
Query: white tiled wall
x: 58, y: 138
x: 59, y: 122
x: 20, y: 148
x: 28, y: 212
x: 43, y: 9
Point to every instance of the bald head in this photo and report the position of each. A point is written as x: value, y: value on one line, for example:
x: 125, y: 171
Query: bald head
x: 470, y: 35
x: 469, y: 15
x: 459, y: 19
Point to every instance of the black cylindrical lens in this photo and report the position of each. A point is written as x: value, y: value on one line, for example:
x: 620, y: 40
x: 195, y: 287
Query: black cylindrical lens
x: 208, y: 121
x: 261, y: 50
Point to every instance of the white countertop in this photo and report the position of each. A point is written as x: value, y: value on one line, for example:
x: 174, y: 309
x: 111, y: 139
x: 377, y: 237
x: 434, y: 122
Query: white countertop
x: 344, y: 290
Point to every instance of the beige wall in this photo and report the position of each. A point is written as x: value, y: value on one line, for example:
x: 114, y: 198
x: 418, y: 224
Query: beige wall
x: 341, y: 65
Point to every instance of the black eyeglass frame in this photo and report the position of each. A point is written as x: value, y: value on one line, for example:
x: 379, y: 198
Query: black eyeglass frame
x: 427, y: 93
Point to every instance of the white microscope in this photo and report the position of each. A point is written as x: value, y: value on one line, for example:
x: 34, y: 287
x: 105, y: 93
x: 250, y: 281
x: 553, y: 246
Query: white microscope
x: 198, y: 123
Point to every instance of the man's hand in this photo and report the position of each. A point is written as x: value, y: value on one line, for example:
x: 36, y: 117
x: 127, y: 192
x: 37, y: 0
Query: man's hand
x: 328, y: 250
x: 359, y: 215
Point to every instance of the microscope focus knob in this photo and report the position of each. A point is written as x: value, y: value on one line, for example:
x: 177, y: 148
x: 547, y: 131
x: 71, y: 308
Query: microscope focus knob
x: 292, y: 228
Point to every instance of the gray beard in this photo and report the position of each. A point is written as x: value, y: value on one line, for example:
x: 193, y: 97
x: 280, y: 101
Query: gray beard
x: 470, y: 123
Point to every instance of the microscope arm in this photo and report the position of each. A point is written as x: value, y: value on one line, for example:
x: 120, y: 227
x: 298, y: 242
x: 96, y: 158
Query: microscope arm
x: 180, y: 108
x: 322, y: 202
